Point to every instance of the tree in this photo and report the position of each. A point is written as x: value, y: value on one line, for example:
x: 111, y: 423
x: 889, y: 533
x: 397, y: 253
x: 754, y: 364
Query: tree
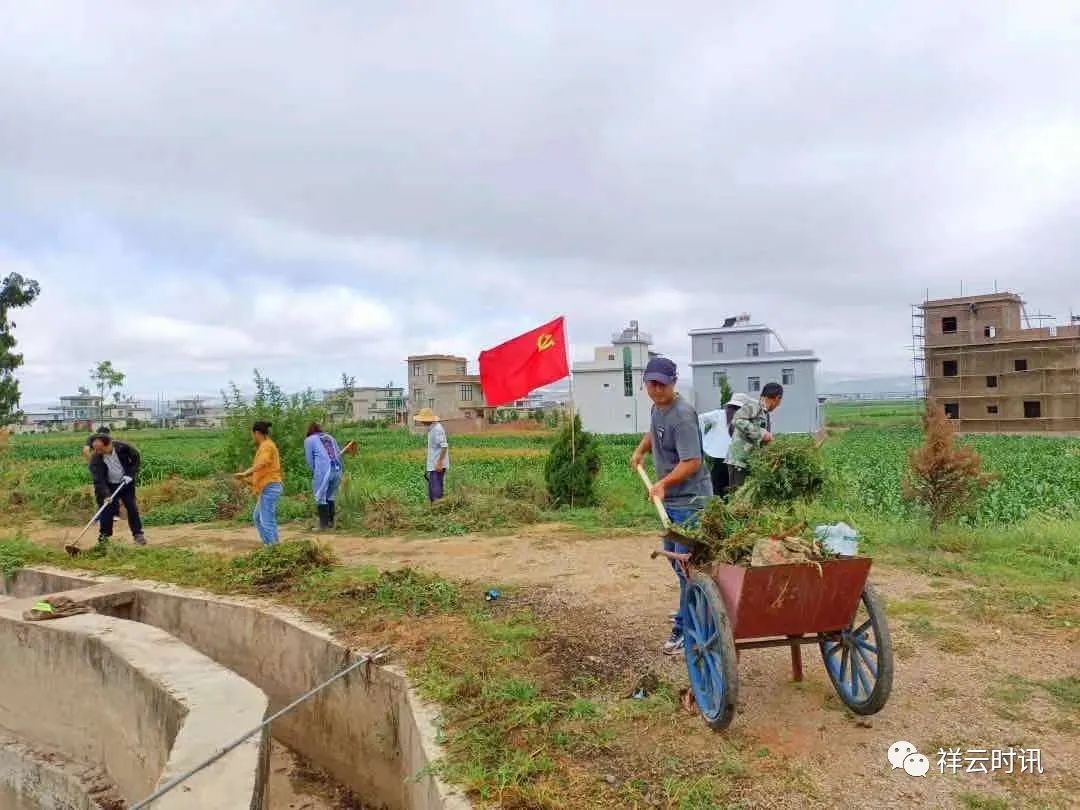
x: 943, y: 477
x: 725, y: 390
x: 289, y: 416
x: 16, y: 292
x: 343, y: 400
x: 572, y: 466
x: 105, y: 378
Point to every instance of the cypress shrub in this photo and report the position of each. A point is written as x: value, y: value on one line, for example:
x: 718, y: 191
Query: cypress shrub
x: 570, y: 475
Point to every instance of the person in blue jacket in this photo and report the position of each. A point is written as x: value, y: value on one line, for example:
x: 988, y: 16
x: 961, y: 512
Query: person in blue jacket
x: 324, y: 459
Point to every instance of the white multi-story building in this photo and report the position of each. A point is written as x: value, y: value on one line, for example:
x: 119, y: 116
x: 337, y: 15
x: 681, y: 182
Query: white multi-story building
x: 608, y: 393
x: 743, y: 352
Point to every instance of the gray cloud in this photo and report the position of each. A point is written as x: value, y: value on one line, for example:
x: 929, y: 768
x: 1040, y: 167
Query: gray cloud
x: 473, y: 168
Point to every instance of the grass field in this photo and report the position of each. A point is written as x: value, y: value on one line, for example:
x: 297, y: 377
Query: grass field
x: 1024, y: 527
x: 185, y: 479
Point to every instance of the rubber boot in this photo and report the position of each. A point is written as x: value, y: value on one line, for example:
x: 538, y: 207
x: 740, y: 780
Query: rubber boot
x: 323, y: 511
x: 331, y: 512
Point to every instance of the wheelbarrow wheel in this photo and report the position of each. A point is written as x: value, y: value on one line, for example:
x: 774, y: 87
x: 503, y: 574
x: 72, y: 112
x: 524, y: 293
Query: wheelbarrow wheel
x: 859, y: 659
x: 709, y: 648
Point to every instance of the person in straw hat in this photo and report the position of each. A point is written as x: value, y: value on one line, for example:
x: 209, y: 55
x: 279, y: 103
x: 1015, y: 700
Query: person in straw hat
x: 438, y: 452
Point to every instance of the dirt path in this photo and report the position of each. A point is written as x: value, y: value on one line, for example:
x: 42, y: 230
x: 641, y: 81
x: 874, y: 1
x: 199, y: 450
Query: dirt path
x: 959, y: 683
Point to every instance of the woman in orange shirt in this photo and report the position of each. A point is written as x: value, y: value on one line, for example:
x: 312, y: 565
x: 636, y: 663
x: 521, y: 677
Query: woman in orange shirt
x: 265, y: 475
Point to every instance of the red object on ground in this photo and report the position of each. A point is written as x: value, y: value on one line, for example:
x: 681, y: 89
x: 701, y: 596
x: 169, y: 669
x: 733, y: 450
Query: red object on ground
x: 514, y: 368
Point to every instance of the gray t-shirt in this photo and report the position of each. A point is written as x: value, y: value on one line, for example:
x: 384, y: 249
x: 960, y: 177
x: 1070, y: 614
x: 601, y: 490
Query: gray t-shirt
x: 114, y: 467
x: 436, y: 441
x: 676, y: 437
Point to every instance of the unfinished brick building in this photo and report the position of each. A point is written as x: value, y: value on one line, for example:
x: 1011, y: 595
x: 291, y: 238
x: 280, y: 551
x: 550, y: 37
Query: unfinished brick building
x: 995, y: 374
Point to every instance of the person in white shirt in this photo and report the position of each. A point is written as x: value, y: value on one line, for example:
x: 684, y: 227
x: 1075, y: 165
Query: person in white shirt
x: 715, y: 439
x: 438, y: 453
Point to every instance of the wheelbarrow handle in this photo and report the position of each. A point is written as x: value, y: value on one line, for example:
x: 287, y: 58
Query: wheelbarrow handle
x: 659, y: 504
x: 677, y: 556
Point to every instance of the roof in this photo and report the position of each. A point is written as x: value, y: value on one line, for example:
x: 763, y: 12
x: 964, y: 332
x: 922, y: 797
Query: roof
x: 437, y: 357
x: 1007, y: 297
x: 752, y: 327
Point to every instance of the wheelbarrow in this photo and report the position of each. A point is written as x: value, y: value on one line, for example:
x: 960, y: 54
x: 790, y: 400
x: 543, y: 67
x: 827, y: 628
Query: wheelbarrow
x: 730, y: 608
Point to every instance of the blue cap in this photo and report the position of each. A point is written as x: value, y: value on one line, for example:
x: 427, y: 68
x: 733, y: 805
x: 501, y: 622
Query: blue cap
x: 660, y: 370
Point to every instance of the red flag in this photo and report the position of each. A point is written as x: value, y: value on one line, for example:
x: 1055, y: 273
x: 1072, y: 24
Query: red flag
x: 514, y: 368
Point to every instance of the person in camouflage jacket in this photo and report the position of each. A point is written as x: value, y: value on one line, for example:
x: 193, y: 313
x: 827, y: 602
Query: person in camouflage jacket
x: 751, y: 428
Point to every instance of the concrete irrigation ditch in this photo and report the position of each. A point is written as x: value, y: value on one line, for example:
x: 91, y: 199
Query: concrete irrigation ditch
x: 99, y: 709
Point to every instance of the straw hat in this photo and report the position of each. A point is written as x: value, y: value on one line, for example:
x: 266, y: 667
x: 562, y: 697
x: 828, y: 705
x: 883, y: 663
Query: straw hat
x: 426, y: 416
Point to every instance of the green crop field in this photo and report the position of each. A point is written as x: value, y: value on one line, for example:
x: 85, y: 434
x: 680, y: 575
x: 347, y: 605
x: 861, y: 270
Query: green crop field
x: 185, y: 478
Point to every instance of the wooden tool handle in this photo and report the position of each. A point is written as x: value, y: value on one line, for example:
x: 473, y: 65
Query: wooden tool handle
x: 659, y: 504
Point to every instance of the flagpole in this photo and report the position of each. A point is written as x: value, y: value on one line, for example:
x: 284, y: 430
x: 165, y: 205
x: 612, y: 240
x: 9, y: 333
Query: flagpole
x: 573, y: 412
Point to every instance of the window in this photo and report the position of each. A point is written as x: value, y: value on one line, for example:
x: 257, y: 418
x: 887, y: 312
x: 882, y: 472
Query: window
x: 627, y: 372
x: 991, y: 408
x: 431, y: 378
x: 718, y: 378
x: 418, y: 396
x: 753, y: 383
x: 990, y: 331
x: 753, y: 349
x: 717, y: 345
x: 991, y: 381
x: 465, y: 391
x: 607, y: 385
x: 952, y: 410
x: 431, y: 404
x: 1020, y: 365
x: 416, y: 370
x: 787, y: 376
x: 948, y: 326
x: 948, y: 368
x: 611, y: 357
x: 1032, y: 410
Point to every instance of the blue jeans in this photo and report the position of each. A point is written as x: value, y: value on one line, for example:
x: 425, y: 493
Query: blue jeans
x: 265, y: 515
x: 327, y: 489
x: 681, y: 516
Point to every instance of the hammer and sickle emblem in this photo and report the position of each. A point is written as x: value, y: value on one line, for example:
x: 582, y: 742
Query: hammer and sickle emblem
x: 544, y: 342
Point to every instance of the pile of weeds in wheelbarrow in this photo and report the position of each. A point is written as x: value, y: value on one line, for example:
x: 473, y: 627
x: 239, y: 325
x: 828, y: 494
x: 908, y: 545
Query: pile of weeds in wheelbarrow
x: 784, y: 474
x: 727, y: 532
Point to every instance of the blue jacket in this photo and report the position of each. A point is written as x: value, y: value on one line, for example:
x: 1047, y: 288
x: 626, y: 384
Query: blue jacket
x: 323, y: 457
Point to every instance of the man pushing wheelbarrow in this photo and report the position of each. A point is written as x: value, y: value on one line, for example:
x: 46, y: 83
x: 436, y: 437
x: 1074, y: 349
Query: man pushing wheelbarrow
x: 683, y: 484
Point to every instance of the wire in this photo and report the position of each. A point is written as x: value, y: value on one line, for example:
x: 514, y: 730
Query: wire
x: 173, y: 783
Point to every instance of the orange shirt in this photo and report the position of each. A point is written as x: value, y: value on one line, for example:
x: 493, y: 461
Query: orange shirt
x: 267, y: 466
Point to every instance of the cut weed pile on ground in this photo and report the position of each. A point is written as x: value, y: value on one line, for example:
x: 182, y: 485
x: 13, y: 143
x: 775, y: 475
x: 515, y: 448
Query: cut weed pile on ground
x: 518, y: 502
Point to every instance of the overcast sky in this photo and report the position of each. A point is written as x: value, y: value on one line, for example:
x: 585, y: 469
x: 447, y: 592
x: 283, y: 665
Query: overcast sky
x: 203, y: 188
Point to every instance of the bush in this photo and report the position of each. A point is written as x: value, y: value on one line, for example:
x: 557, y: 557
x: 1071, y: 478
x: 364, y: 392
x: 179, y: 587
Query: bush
x: 289, y: 417
x: 572, y: 466
x: 790, y: 468
x: 943, y: 477
x: 526, y: 490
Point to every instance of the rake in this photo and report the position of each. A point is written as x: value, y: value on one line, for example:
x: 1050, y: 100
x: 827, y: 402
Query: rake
x: 72, y: 548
